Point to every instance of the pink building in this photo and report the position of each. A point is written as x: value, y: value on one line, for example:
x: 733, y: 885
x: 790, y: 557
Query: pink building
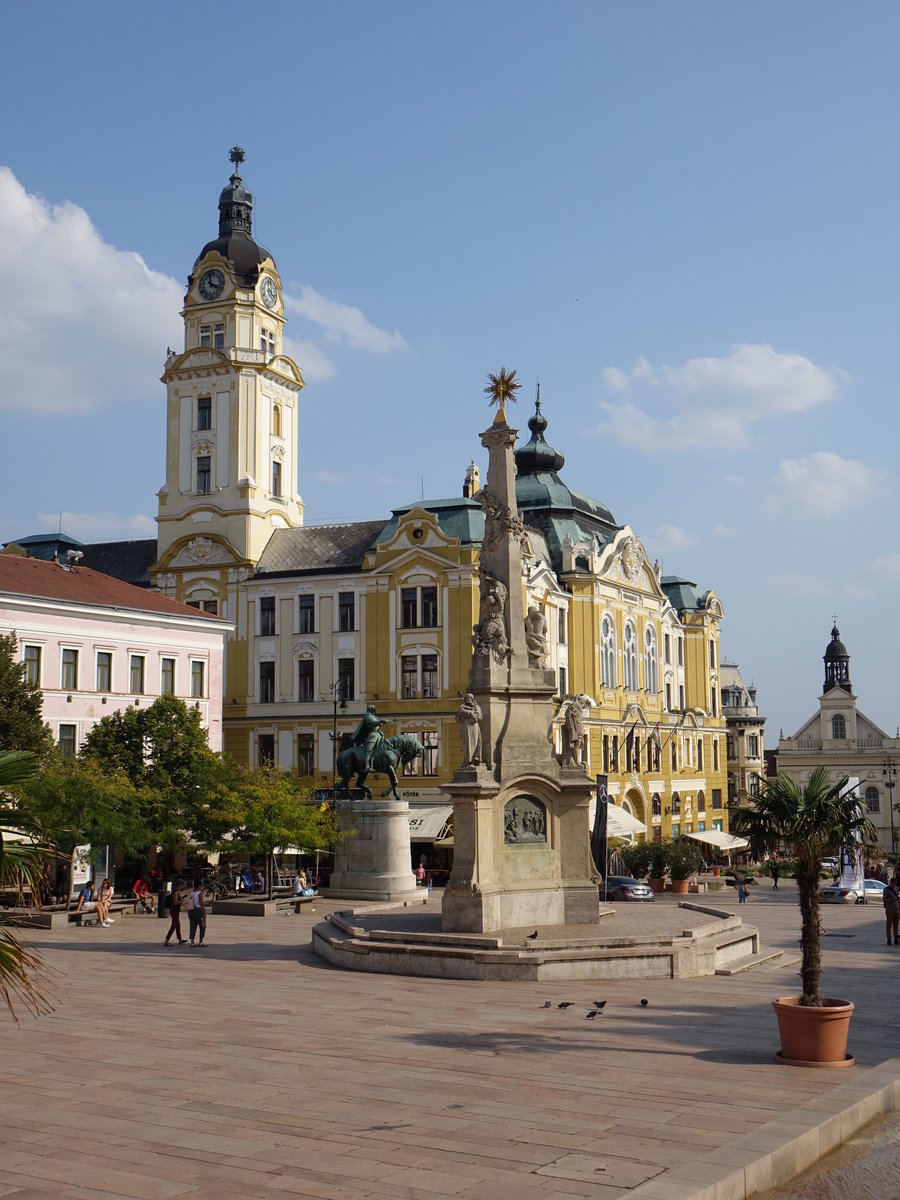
x: 95, y: 644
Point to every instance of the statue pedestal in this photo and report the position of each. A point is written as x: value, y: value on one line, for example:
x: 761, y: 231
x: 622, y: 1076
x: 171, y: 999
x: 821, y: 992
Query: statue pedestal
x: 373, y: 860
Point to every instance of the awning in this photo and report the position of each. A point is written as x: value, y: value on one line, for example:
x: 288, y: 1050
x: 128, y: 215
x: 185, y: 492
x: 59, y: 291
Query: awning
x: 619, y: 821
x: 429, y: 823
x: 724, y: 841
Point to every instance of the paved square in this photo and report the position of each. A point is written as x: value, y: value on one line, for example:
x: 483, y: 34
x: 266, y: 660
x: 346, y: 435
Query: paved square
x: 249, y: 1068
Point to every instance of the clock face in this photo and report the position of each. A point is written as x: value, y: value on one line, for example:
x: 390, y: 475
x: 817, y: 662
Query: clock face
x: 269, y: 292
x: 211, y: 284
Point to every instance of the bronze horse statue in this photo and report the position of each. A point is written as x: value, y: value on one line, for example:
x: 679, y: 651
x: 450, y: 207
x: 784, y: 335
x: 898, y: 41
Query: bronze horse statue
x: 388, y: 753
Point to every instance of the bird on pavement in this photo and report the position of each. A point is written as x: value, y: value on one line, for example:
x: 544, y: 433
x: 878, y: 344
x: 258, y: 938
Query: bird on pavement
x: 599, y: 1003
x: 644, y: 1003
x: 595, y: 1012
x: 547, y: 1004
x: 566, y: 1004
x: 531, y: 936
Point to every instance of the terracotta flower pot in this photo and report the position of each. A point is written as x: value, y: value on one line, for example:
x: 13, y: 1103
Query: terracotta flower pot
x: 717, y: 870
x: 658, y: 885
x: 814, y: 1037
x: 680, y: 886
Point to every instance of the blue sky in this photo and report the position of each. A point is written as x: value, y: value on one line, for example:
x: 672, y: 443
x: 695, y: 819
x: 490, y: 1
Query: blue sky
x: 681, y: 218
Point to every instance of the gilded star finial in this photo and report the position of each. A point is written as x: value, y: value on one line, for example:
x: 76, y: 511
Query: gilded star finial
x: 502, y: 387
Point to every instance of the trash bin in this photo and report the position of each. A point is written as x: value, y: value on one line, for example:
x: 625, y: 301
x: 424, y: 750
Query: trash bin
x: 162, y: 906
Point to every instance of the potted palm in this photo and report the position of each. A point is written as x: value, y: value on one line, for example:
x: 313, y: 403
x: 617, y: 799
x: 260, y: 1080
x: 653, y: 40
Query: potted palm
x: 815, y: 819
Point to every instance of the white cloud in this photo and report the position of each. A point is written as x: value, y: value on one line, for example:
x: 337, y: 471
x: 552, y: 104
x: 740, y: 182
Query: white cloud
x: 671, y: 537
x: 84, y: 324
x: 330, y: 478
x: 711, y: 403
x: 313, y: 362
x: 824, y: 484
x: 342, y: 322
x: 724, y: 531
x: 815, y: 588
x: 99, y: 526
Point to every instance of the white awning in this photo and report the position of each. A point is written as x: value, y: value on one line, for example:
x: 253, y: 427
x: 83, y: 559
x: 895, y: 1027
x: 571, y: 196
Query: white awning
x: 724, y: 841
x: 429, y: 823
x: 619, y: 821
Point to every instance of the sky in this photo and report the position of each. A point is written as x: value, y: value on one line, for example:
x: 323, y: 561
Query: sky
x: 679, y: 218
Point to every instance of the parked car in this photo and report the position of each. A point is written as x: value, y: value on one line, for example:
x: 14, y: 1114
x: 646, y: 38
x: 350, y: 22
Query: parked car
x: 623, y: 887
x: 836, y: 893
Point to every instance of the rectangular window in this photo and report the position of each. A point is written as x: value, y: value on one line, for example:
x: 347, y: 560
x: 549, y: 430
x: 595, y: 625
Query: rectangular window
x: 32, y: 660
x: 681, y: 652
x: 668, y: 697
x: 752, y: 745
x: 753, y: 785
x: 267, y: 342
x: 267, y: 616
x: 430, y: 758
x: 209, y: 606
x: 561, y: 626
x: 305, y: 754
x: 305, y: 680
x: 218, y: 337
x: 701, y: 802
x: 674, y: 756
x: 265, y: 749
x: 676, y: 830
x: 347, y: 678
x: 429, y: 676
x: 267, y: 683
x: 136, y: 674
x: 562, y: 682
x: 717, y: 797
x: 409, y: 673
x: 204, y: 478
x: 429, y: 607
x: 67, y: 741
x: 204, y: 412
x: 204, y: 335
x: 167, y: 677
x: 681, y: 694
x: 605, y: 754
x: 408, y: 606
x: 104, y: 671
x: 69, y: 670
x: 198, y: 680
x: 715, y: 754
x: 615, y: 752
x: 700, y: 754
x: 307, y: 614
x: 276, y: 478
x: 667, y: 645
x: 346, y: 612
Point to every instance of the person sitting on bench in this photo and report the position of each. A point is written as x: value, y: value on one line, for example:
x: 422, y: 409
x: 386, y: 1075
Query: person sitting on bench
x: 143, y: 895
x: 86, y: 902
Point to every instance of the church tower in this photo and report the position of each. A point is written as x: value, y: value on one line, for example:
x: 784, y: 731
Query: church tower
x: 232, y: 416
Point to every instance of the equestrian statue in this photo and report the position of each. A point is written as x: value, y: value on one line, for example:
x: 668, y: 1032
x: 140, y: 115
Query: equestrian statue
x: 372, y: 751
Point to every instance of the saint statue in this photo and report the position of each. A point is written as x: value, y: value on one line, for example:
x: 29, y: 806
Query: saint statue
x: 536, y: 638
x: 469, y: 715
x: 573, y: 732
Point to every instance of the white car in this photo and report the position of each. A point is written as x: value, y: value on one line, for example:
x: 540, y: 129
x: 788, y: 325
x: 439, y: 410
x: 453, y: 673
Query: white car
x: 836, y: 893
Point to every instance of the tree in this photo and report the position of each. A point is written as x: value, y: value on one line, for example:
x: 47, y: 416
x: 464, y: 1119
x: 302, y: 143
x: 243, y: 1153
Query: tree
x: 163, y: 750
x: 815, y: 820
x: 21, y: 723
x: 20, y: 968
x: 262, y: 809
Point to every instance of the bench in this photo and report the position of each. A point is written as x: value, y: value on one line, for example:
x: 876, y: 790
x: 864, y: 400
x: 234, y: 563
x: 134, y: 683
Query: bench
x: 92, y: 917
x: 299, y: 901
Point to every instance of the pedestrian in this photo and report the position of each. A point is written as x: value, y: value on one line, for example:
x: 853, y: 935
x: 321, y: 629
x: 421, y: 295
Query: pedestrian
x: 742, y: 891
x: 196, y: 911
x: 175, y: 902
x: 776, y: 872
x: 891, y: 899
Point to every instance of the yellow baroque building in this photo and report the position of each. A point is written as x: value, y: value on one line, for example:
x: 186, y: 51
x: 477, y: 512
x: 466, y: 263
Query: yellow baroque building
x: 331, y: 618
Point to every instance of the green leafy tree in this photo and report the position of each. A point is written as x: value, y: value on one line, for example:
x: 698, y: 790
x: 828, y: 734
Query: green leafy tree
x: 815, y: 820
x: 260, y: 810
x: 21, y: 723
x: 21, y: 969
x: 164, y: 751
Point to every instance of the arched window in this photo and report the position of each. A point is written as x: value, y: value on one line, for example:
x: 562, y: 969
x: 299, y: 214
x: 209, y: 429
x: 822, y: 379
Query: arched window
x: 629, y: 658
x: 607, y: 653
x: 676, y: 805
x: 656, y: 805
x: 701, y: 801
x: 276, y: 420
x: 838, y: 727
x: 651, y: 662
x: 873, y: 801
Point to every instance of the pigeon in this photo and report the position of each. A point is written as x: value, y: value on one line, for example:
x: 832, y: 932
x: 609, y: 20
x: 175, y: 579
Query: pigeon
x: 566, y: 1004
x: 547, y: 1004
x: 531, y: 936
x: 644, y: 1003
x: 599, y: 1003
x: 595, y: 1012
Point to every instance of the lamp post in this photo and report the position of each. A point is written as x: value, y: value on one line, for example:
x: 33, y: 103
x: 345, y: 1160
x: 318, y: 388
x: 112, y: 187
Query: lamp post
x: 338, y: 697
x: 889, y: 772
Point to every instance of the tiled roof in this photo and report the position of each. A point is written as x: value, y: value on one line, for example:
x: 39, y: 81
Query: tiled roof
x: 129, y: 560
x: 318, y: 548
x: 35, y: 578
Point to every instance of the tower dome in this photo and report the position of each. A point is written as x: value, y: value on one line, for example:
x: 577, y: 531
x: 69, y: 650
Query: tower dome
x: 235, y: 241
x: 837, y: 663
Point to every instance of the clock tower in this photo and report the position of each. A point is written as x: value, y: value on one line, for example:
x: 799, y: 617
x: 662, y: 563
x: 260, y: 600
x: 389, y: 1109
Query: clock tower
x: 232, y: 417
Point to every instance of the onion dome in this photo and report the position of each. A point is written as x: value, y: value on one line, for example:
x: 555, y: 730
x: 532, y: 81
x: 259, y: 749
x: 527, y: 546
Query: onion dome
x: 235, y: 242
x: 837, y: 663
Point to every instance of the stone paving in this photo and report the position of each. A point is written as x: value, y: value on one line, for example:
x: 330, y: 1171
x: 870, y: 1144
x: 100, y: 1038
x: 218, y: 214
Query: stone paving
x: 249, y: 1068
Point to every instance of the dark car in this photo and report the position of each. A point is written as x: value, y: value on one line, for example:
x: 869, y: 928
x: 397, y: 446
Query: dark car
x: 623, y: 887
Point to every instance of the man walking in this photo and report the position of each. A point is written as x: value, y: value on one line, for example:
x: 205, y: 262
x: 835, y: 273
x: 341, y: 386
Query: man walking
x: 776, y: 872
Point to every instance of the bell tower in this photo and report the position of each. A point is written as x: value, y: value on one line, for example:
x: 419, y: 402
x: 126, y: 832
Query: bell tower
x: 232, y: 410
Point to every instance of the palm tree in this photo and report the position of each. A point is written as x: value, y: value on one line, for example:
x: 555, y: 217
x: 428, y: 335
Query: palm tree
x: 815, y: 821
x: 20, y: 862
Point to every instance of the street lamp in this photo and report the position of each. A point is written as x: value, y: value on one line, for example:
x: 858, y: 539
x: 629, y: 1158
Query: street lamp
x: 338, y: 697
x: 889, y: 771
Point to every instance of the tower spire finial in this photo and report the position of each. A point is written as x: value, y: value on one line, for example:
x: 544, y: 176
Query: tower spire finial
x: 236, y: 155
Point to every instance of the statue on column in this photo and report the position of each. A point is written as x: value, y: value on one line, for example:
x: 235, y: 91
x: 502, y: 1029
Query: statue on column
x: 573, y: 732
x: 469, y: 715
x: 536, y: 638
x: 489, y: 635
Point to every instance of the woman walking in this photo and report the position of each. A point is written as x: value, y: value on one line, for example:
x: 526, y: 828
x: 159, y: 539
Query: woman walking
x: 197, y: 913
x: 178, y: 892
